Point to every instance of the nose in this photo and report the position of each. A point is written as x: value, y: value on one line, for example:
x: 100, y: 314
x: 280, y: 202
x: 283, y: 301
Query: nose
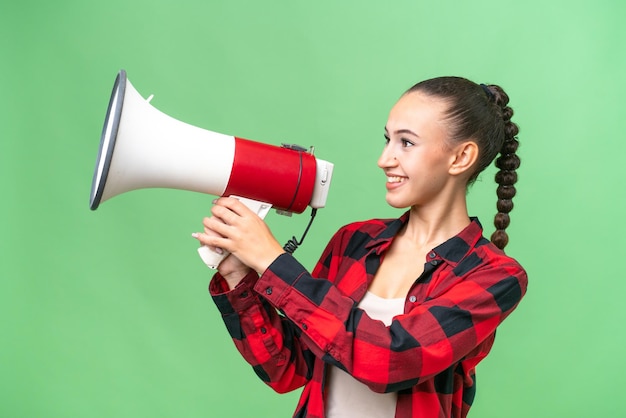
x: 387, y: 158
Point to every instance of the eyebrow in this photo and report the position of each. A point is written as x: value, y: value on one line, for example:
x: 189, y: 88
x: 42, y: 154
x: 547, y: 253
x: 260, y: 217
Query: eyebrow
x: 402, y: 131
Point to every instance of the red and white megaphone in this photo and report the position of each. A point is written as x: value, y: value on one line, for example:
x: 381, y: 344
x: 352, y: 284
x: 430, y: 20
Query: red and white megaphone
x: 141, y: 147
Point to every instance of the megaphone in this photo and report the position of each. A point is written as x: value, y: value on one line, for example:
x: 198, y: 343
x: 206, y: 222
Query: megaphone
x: 141, y: 147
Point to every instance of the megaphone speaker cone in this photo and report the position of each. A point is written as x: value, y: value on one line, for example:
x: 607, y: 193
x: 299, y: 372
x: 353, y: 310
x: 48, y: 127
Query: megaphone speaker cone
x: 107, y: 139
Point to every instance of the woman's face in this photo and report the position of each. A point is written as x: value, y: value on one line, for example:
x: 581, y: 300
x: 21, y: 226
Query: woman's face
x: 416, y: 156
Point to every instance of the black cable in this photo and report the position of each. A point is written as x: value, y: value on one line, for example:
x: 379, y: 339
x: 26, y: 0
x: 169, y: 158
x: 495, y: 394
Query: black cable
x: 293, y: 244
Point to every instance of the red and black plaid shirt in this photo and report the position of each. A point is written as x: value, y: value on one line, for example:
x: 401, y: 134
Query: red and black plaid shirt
x: 290, y: 324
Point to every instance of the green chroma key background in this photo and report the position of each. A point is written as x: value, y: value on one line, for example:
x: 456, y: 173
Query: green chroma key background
x: 107, y: 314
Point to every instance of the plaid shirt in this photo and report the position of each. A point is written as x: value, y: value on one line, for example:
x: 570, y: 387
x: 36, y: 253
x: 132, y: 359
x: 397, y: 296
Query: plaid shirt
x: 289, y: 324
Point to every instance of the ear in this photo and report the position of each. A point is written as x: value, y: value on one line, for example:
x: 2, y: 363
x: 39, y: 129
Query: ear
x: 464, y: 157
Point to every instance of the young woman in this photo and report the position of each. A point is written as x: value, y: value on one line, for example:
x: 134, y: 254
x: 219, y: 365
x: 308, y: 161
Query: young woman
x: 397, y: 313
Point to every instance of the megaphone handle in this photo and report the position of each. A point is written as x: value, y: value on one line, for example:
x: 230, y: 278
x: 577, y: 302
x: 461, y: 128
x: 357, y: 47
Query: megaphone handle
x: 213, y: 259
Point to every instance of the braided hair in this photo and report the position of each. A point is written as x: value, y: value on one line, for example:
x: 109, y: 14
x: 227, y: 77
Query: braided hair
x: 481, y: 112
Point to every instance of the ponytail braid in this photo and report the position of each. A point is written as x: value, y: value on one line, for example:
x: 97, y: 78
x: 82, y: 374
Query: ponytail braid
x: 507, y: 163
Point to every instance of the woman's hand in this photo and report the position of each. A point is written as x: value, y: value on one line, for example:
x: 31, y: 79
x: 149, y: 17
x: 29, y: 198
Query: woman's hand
x: 230, y: 267
x: 236, y: 229
x: 232, y: 270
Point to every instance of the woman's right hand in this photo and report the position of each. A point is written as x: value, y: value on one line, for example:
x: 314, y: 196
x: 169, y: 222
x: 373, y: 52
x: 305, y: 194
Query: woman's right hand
x: 233, y: 270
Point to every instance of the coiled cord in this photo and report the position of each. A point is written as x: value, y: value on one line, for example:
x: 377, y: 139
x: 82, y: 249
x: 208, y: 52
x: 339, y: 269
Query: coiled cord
x: 293, y: 244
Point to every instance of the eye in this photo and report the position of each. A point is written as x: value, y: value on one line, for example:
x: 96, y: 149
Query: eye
x: 406, y: 143
x: 386, y: 139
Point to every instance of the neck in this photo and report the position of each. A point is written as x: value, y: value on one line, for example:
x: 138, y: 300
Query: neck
x: 434, y: 224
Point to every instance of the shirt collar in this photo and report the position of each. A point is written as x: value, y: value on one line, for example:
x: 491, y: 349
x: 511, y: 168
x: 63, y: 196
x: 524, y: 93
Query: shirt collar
x: 457, y: 247
x: 384, y: 238
x: 452, y: 251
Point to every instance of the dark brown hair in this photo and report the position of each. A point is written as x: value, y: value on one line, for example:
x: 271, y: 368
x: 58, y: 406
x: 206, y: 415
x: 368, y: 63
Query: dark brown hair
x: 480, y: 112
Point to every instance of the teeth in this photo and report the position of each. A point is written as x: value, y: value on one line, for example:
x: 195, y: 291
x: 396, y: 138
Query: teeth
x: 395, y: 179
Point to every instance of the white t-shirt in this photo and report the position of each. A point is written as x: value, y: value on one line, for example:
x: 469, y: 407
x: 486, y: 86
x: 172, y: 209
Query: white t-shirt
x: 349, y: 398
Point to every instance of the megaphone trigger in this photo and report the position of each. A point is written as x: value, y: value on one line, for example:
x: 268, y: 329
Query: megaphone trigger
x: 213, y: 258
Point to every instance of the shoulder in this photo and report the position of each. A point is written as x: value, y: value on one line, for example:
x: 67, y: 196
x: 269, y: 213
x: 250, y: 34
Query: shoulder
x: 366, y: 229
x: 373, y: 225
x: 354, y: 237
x: 501, y: 271
x: 494, y: 257
x: 351, y: 243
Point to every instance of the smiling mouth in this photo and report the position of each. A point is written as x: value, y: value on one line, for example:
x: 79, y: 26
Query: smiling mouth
x: 395, y: 179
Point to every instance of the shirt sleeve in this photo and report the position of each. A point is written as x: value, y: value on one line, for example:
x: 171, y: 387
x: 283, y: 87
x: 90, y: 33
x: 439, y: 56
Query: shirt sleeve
x: 427, y: 340
x: 266, y: 339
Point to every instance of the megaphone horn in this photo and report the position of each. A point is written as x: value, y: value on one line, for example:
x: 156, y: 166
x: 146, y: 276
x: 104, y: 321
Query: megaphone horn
x: 141, y: 147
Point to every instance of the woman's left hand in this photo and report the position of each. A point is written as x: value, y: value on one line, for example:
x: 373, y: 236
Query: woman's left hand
x: 242, y: 233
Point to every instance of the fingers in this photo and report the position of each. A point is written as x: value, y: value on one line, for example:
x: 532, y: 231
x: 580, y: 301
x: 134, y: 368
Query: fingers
x: 220, y: 227
x: 228, y: 206
x: 222, y: 216
x: 229, y: 212
x: 214, y: 234
x: 239, y: 230
x: 211, y: 240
